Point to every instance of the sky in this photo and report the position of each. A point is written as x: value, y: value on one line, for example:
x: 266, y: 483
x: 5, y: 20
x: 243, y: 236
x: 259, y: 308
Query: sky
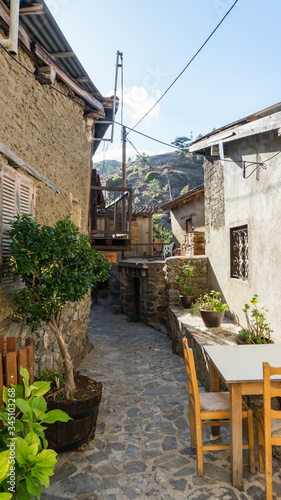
x: 237, y: 73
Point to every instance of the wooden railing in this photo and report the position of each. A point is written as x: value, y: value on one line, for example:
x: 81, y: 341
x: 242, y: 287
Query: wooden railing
x: 12, y: 360
x: 145, y: 250
x: 111, y: 212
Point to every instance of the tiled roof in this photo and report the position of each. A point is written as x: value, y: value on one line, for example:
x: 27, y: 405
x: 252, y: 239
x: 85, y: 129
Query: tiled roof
x: 184, y: 198
x: 144, y: 210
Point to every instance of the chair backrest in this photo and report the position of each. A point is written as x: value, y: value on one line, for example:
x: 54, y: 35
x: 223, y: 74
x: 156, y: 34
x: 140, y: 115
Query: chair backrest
x: 168, y: 249
x: 270, y: 391
x: 191, y: 377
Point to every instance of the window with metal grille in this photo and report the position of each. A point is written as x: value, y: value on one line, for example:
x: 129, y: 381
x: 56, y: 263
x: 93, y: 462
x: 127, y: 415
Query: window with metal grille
x: 239, y: 252
x: 17, y: 193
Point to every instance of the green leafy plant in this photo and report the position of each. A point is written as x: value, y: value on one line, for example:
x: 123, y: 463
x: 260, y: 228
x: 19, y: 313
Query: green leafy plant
x: 183, y: 144
x: 185, y: 280
x: 55, y: 377
x: 159, y: 231
x: 56, y: 265
x: 151, y: 176
x: 208, y: 302
x: 257, y: 330
x: 25, y: 462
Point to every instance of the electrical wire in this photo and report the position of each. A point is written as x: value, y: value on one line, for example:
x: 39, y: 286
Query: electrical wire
x: 84, y: 106
x: 185, y: 68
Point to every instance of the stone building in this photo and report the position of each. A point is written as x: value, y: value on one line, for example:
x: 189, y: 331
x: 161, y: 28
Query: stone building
x: 50, y: 127
x: 242, y: 211
x: 187, y: 214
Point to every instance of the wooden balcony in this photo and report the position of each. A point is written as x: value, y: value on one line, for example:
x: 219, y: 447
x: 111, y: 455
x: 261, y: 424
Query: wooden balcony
x: 111, y: 218
x: 145, y: 250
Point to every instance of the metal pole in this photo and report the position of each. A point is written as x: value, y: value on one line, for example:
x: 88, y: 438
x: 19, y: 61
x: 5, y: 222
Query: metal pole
x: 123, y: 157
x: 118, y: 54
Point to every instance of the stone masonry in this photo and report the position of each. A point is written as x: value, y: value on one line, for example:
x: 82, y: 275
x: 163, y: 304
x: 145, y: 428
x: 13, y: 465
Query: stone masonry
x: 50, y: 133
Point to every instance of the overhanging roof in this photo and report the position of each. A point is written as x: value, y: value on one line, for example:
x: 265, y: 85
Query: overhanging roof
x: 145, y: 210
x: 184, y: 198
x: 259, y: 122
x: 40, y: 35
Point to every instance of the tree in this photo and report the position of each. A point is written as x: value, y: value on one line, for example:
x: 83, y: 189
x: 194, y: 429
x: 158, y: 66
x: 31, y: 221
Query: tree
x: 143, y: 158
x: 183, y: 144
x: 159, y: 231
x: 56, y: 265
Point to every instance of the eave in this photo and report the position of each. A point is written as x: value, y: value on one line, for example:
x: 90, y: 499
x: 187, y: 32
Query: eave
x: 185, y: 198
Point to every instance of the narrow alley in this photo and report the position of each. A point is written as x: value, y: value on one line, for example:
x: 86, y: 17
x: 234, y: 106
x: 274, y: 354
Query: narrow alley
x: 142, y: 447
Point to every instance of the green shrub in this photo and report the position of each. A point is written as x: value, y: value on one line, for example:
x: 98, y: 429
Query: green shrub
x: 151, y: 176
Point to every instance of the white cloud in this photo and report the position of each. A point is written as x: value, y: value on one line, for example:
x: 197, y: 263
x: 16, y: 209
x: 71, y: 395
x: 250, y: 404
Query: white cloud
x: 137, y: 102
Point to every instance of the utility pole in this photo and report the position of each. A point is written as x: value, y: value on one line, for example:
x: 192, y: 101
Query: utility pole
x: 123, y: 157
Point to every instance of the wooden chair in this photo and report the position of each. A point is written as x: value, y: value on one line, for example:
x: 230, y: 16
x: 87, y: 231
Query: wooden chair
x: 211, y: 409
x: 269, y: 426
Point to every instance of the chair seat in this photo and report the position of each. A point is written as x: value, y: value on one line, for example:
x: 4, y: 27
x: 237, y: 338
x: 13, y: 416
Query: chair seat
x: 214, y: 401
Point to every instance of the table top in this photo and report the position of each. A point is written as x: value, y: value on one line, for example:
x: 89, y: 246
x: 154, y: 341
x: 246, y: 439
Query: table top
x: 243, y: 363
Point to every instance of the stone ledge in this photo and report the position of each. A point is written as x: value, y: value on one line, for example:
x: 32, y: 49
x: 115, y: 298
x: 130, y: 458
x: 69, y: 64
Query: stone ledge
x: 182, y: 324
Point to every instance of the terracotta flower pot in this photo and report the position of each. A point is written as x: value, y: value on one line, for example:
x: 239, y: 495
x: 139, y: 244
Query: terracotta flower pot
x: 212, y: 319
x: 187, y: 300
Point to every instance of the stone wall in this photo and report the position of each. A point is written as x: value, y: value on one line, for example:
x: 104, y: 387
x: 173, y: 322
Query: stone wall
x: 172, y: 269
x: 48, y: 132
x: 143, y: 292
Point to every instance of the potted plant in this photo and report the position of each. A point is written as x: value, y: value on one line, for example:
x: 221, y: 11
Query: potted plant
x: 188, y: 294
x: 211, y: 309
x: 257, y: 330
x: 57, y: 265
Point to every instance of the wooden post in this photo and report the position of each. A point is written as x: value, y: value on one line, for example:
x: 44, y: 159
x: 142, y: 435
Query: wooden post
x: 30, y: 360
x: 22, y: 361
x: 11, y: 368
x: 11, y: 344
x: 2, y: 347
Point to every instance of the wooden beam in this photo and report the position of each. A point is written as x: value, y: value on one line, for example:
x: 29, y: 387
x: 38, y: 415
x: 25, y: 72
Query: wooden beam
x: 82, y: 79
x: 62, y: 55
x: 47, y: 59
x: 47, y: 73
x: 32, y: 10
x: 15, y: 161
x: 5, y: 20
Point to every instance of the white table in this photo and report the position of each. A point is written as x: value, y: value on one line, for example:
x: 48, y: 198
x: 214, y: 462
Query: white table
x: 240, y: 367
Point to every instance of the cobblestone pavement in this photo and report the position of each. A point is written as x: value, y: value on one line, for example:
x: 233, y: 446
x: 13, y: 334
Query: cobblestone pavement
x: 141, y: 448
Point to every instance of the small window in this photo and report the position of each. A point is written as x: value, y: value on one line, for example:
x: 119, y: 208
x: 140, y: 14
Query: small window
x: 239, y: 252
x: 188, y: 225
x: 17, y: 198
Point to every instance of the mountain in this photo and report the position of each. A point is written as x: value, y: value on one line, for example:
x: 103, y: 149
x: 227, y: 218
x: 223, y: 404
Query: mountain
x: 155, y: 179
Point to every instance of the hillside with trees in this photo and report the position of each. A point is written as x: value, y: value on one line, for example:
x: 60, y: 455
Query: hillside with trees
x: 155, y: 179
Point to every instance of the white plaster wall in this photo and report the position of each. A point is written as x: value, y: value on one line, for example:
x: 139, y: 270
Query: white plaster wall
x: 255, y: 201
x: 195, y: 209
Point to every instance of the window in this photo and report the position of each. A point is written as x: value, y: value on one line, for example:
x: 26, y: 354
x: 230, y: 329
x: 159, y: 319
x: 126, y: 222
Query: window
x: 188, y: 225
x: 17, y: 198
x: 239, y: 252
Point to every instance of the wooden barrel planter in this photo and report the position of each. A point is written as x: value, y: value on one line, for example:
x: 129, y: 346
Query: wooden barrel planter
x: 12, y: 360
x: 65, y: 436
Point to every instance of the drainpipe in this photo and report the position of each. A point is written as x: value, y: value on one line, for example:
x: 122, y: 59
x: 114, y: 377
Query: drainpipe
x: 11, y: 44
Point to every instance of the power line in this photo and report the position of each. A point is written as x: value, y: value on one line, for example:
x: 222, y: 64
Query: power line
x: 83, y: 105
x: 185, y: 68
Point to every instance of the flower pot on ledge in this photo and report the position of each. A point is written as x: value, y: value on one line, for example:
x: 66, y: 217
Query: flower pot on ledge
x: 212, y: 319
x: 187, y: 300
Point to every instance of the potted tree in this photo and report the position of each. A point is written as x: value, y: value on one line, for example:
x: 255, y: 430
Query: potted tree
x: 257, y: 330
x: 57, y: 265
x: 211, y: 309
x: 188, y: 294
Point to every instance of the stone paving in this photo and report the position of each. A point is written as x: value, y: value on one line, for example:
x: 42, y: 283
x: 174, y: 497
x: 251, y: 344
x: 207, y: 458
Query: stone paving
x: 141, y: 448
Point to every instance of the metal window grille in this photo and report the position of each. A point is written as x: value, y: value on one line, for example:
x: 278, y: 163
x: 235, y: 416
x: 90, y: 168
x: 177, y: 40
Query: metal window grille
x: 239, y: 253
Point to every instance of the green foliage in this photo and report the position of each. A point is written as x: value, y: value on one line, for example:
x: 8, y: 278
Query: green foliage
x: 159, y: 231
x: 208, y: 302
x: 185, y: 279
x: 136, y: 191
x: 53, y: 376
x: 56, y: 265
x: 154, y: 188
x: 150, y: 176
x: 138, y: 170
x: 182, y: 143
x: 258, y: 330
x: 136, y: 200
x: 24, y: 457
x: 114, y: 181
x: 143, y: 158
x: 184, y: 190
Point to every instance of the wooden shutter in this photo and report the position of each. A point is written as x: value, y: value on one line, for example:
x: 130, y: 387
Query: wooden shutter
x: 17, y: 198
